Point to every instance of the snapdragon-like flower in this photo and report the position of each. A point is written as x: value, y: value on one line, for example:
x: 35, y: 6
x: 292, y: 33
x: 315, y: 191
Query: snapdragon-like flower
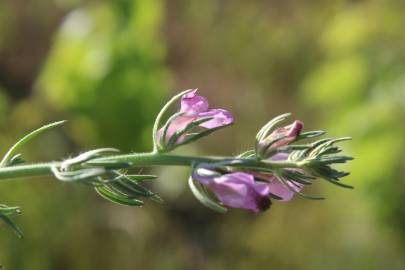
x: 194, y: 113
x: 276, y: 168
x: 237, y: 190
x: 249, y: 189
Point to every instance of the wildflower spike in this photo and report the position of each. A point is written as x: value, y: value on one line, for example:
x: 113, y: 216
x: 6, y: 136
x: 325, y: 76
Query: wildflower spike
x: 277, y: 168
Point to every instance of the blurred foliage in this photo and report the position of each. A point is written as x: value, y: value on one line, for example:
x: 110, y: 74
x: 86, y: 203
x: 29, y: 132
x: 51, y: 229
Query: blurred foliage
x: 105, y: 66
x: 360, y: 86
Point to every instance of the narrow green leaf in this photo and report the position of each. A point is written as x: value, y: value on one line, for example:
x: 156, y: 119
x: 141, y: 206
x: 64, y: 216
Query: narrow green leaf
x: 116, y: 198
x: 26, y: 139
x: 132, y: 188
x: 141, y: 177
x: 12, y: 225
x: 337, y: 183
x: 156, y: 198
x: 9, y: 210
x: 16, y: 160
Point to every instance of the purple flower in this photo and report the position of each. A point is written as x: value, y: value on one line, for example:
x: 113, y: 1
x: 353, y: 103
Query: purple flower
x: 282, y: 136
x: 238, y: 190
x: 241, y: 190
x: 195, y: 107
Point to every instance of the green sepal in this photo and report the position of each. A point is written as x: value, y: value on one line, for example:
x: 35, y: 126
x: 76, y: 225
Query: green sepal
x: 162, y: 140
x: 266, y: 128
x: 172, y: 143
x: 297, y: 177
x: 247, y: 154
x: 283, y: 181
x: 161, y: 114
x: 193, y: 137
x: 310, y: 134
x: 189, y: 137
x: 203, y: 196
x: 262, y: 152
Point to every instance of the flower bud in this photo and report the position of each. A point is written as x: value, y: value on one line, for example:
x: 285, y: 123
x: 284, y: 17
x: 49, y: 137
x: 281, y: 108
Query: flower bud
x: 279, y: 137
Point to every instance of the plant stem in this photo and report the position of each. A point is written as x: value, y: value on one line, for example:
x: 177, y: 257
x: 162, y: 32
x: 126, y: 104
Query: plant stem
x: 39, y: 169
x: 136, y: 160
x: 153, y: 159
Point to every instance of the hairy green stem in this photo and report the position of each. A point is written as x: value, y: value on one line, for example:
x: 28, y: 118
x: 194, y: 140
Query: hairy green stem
x: 137, y: 160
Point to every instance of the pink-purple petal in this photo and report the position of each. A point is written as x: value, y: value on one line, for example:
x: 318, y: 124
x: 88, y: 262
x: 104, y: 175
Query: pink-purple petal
x: 179, y: 123
x: 290, y: 132
x: 279, y: 157
x: 220, y: 117
x: 193, y: 108
x: 238, y: 190
x: 284, y: 135
x: 280, y: 190
x: 193, y: 104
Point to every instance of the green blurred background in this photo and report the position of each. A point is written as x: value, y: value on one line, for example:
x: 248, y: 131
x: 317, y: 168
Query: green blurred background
x: 108, y: 66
